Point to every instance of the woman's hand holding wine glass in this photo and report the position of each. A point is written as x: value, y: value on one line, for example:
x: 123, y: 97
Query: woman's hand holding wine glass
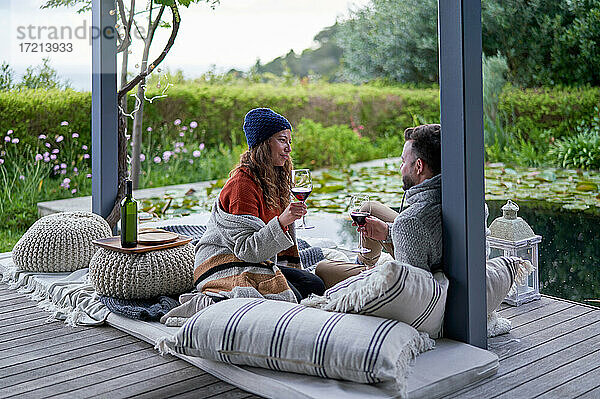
x: 301, y: 188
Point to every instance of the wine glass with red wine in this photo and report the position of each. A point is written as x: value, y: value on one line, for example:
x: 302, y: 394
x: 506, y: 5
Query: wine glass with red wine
x: 301, y: 188
x: 360, y: 209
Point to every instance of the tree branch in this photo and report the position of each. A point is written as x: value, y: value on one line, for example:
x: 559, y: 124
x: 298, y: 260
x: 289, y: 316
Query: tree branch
x: 126, y: 22
x: 161, y: 57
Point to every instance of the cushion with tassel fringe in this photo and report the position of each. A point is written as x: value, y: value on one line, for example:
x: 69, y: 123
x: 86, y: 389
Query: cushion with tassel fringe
x: 393, y: 290
x: 503, y: 274
x: 284, y: 336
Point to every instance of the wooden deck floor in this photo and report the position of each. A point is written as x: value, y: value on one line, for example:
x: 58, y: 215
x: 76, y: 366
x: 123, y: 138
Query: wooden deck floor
x: 553, y: 351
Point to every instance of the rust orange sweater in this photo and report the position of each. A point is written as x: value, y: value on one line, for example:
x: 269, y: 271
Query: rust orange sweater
x: 242, y: 195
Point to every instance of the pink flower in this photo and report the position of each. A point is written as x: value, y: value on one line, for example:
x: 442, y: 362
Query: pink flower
x: 193, y: 124
x: 142, y: 157
x: 167, y: 155
x: 55, y: 168
x: 156, y: 159
x: 181, y: 134
x: 59, y: 139
x: 178, y: 150
x: 1, y: 161
x: 76, y: 171
x: 201, y: 146
x: 196, y: 154
x: 89, y: 175
x: 63, y: 172
x: 47, y: 145
x: 46, y: 159
x: 179, y: 144
x: 38, y: 157
x: 73, y: 191
x: 361, y: 127
x: 84, y: 147
x: 184, y: 150
x: 63, y: 166
x: 7, y: 139
x: 65, y: 182
x: 42, y: 137
x: 53, y: 157
x: 55, y: 151
x: 149, y: 129
x: 22, y: 177
x: 64, y: 123
x: 75, y: 135
x: 15, y: 140
x: 9, y: 132
x: 86, y: 156
x: 46, y: 154
x: 191, y: 161
x: 184, y: 128
x: 177, y: 122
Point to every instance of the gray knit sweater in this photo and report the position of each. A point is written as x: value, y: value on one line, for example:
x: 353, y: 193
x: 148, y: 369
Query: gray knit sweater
x: 417, y: 232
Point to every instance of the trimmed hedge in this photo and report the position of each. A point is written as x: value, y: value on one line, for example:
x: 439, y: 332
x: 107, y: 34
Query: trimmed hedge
x: 219, y: 109
x: 539, y: 115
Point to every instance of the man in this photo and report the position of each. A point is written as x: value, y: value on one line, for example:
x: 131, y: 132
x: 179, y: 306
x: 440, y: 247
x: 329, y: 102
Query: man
x: 414, y: 235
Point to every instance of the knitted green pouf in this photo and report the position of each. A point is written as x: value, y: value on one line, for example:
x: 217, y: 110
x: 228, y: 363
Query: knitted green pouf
x: 61, y: 242
x: 143, y: 275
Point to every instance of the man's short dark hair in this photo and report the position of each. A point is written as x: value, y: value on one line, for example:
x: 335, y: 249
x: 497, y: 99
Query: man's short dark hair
x: 426, y: 145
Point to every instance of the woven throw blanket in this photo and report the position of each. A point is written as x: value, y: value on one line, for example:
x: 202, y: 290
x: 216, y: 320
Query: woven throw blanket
x: 140, y: 309
x: 309, y: 256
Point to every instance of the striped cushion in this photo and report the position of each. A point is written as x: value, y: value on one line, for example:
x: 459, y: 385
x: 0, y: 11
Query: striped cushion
x: 290, y: 337
x: 394, y: 290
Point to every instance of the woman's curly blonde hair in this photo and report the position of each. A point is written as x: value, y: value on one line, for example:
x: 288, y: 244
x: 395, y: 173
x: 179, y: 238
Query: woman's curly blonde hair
x: 274, y: 181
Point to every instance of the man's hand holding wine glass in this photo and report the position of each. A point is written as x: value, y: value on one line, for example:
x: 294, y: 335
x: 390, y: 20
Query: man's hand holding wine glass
x: 374, y: 228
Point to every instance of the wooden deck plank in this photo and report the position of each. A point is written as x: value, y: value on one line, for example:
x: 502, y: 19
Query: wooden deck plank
x: 141, y: 374
x: 31, y: 369
x: 512, y: 344
x: 87, y: 382
x: 28, y: 332
x: 542, y: 344
x: 512, y: 311
x: 50, y: 344
x: 147, y: 386
x: 196, y: 383
x: 510, y: 378
x: 575, y: 387
x: 591, y: 394
x: 68, y: 345
x: 548, y: 309
x: 561, y: 375
x: 9, y: 316
x: 41, y: 378
x: 61, y: 331
x: 15, y: 307
x: 12, y: 298
x: 551, y: 320
x: 25, y: 324
x: 23, y: 318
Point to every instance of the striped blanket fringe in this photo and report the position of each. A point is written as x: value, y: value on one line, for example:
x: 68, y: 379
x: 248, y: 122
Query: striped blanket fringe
x: 75, y: 304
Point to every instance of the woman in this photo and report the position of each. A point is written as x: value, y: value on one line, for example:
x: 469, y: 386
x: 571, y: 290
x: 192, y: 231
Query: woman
x: 249, y: 248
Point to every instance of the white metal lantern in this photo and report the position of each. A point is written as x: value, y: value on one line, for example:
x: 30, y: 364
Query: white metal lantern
x: 510, y: 235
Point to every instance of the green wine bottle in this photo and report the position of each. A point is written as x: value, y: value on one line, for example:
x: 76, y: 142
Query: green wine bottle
x: 128, y: 219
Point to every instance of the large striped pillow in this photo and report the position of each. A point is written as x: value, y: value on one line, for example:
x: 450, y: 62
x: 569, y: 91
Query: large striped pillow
x: 394, y: 290
x: 284, y: 336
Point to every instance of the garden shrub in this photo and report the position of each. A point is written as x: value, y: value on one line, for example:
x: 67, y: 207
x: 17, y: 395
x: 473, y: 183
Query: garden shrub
x: 544, y: 114
x: 580, y: 151
x: 314, y: 145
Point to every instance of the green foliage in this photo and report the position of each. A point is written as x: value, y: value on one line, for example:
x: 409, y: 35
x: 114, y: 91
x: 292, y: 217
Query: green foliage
x: 42, y: 77
x: 390, y: 39
x: 545, y: 42
x: 7, y: 77
x: 316, y: 146
x: 544, y: 114
x: 580, y: 151
x: 321, y: 61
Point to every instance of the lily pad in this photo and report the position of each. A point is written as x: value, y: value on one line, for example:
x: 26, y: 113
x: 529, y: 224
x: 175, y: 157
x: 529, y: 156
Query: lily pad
x: 586, y: 186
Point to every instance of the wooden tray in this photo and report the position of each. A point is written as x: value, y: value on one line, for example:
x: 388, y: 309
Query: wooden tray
x: 114, y: 244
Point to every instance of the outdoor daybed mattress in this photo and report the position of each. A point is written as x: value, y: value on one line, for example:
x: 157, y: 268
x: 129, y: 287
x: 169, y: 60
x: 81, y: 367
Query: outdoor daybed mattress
x: 449, y: 367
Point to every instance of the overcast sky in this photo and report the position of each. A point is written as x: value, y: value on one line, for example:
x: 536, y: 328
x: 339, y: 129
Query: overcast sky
x: 233, y: 35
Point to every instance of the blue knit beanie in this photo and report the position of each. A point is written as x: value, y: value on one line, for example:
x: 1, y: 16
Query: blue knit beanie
x: 262, y: 123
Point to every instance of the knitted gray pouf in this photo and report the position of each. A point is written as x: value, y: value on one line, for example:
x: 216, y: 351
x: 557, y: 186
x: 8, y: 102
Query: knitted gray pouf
x: 143, y: 275
x: 61, y: 242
